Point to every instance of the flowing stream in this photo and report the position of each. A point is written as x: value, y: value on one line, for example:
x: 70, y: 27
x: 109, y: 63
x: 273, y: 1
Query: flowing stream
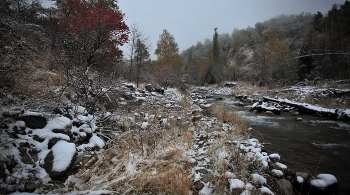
x: 315, y: 145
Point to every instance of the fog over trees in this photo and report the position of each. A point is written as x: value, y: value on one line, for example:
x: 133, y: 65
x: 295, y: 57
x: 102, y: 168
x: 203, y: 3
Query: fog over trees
x: 282, y: 50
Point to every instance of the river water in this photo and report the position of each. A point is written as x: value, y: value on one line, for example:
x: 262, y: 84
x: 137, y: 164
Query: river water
x: 315, y: 144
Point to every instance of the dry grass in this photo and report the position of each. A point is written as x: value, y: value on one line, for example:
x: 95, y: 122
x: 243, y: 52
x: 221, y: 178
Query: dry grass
x: 170, y: 179
x: 144, y: 161
x: 245, y: 88
x: 224, y: 151
x: 230, y: 117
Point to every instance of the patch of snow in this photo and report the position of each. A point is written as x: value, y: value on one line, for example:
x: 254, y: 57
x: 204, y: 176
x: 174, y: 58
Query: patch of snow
x: 42, y: 154
x: 206, y: 190
x: 130, y: 168
x: 202, y: 151
x: 254, y: 105
x: 258, y: 179
x: 197, y: 176
x: 97, y: 141
x: 236, y: 183
x: 94, y: 141
x: 324, y: 180
x: 282, y: 166
x: 58, y: 123
x: 229, y: 174
x: 265, y: 190
x: 63, y: 153
x: 275, y: 156
x: 79, y: 110
x: 223, y: 154
x: 277, y: 172
x: 265, y: 163
x: 144, y: 125
x: 173, y: 93
x: 192, y: 160
x: 246, y: 192
x: 47, y: 134
x: 300, y: 179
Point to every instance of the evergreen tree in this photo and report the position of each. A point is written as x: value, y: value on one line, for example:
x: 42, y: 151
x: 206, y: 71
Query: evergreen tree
x: 141, y: 55
x: 216, y: 51
x: 306, y: 61
x: 213, y: 74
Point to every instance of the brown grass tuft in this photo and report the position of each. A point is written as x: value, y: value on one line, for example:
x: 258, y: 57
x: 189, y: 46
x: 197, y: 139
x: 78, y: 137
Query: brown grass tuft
x: 229, y: 116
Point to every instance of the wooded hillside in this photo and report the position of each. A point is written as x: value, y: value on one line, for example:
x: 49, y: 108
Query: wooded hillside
x: 282, y: 50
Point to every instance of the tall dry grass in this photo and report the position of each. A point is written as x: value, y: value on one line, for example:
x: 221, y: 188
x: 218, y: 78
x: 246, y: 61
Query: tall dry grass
x: 232, y: 118
x: 144, y: 161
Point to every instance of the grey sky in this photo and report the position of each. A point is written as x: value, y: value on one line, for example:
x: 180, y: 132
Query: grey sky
x: 190, y: 21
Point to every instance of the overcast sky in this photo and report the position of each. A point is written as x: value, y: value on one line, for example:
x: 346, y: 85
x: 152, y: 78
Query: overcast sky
x: 190, y: 21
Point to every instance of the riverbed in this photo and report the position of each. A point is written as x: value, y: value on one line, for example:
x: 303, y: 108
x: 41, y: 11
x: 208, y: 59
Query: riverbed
x: 315, y: 144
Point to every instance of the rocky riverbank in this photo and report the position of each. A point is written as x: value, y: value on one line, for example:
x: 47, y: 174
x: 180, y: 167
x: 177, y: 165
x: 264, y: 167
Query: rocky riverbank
x: 141, y: 141
x: 274, y: 174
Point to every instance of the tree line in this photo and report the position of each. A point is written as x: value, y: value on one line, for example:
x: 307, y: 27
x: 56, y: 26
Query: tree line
x: 283, y: 50
x: 82, y: 39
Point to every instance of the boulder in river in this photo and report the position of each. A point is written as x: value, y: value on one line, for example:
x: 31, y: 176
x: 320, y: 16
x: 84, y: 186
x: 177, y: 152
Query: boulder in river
x: 285, y: 187
x: 323, y: 184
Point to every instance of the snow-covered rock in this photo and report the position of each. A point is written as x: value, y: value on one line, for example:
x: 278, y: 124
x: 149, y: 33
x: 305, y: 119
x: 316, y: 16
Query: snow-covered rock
x: 265, y: 191
x: 324, y: 180
x: 236, y: 183
x: 258, y: 180
x: 275, y: 157
x: 59, y: 159
x: 94, y: 142
x: 277, y: 173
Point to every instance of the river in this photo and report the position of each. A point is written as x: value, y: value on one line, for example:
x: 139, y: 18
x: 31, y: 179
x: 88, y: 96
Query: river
x: 315, y: 144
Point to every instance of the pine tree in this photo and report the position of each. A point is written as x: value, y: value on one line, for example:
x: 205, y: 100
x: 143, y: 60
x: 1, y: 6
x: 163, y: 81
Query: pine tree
x: 141, y: 55
x: 213, y: 74
x: 216, y: 51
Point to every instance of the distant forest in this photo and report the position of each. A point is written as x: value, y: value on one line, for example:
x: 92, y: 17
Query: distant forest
x: 282, y: 50
x: 77, y: 45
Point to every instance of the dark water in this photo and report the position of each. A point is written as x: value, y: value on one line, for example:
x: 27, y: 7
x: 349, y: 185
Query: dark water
x: 315, y: 145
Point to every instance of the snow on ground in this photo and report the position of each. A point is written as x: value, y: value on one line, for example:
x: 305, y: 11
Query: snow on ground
x: 173, y: 94
x: 139, y: 156
x: 236, y: 183
x: 206, y: 189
